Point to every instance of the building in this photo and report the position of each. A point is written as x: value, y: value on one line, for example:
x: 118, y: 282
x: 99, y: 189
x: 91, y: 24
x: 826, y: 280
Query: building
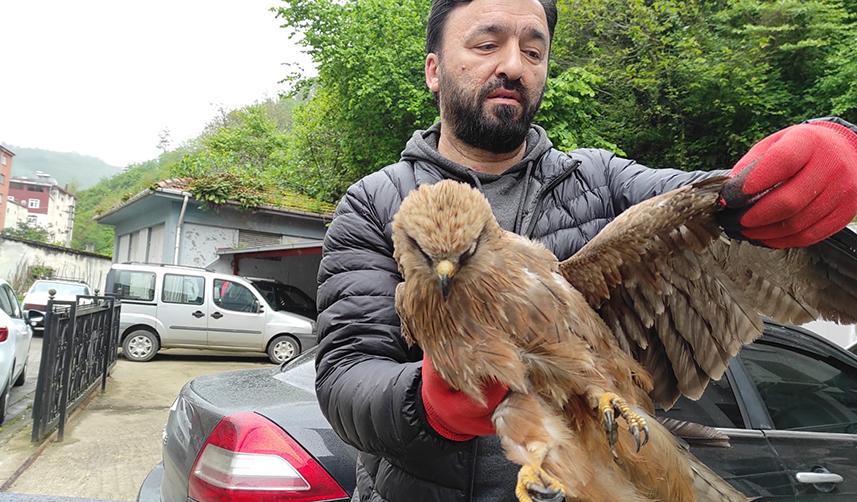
x: 5, y: 178
x: 16, y: 213
x: 49, y: 206
x: 167, y: 225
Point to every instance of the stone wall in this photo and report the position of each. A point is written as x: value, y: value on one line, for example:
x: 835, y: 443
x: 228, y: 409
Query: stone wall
x: 20, y: 258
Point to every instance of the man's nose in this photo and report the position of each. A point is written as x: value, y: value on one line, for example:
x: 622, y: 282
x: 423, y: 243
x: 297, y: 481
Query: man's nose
x: 511, y: 64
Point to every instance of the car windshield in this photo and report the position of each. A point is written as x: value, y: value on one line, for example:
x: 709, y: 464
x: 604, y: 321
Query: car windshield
x: 284, y: 297
x: 62, y: 288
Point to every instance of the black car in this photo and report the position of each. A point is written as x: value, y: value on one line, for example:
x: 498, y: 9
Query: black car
x: 285, y: 297
x: 788, y: 403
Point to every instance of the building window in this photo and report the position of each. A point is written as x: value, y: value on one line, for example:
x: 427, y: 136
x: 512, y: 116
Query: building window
x: 2, y: 178
x: 32, y: 220
x: 2, y: 159
x: 33, y: 203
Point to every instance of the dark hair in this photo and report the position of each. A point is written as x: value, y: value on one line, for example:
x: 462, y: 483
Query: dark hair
x: 440, y: 9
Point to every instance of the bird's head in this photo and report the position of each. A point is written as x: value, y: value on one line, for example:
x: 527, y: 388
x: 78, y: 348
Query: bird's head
x: 441, y: 232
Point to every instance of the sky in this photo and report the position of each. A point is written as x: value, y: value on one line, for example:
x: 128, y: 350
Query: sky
x: 105, y: 77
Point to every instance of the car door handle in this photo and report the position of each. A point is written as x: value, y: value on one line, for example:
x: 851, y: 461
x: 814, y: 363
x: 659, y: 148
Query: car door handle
x: 198, y: 314
x: 818, y: 478
x: 217, y: 315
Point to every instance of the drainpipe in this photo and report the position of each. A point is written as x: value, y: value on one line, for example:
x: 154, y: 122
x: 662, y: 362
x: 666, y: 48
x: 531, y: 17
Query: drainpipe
x: 179, y: 230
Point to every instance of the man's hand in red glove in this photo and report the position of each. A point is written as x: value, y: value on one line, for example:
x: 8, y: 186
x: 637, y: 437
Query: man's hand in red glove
x: 451, y: 413
x: 795, y: 187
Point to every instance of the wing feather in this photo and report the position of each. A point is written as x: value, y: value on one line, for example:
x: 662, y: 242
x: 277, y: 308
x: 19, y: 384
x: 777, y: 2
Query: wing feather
x: 683, y: 298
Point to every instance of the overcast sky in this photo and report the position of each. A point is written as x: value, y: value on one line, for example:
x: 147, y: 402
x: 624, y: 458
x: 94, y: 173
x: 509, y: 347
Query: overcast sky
x: 104, y: 77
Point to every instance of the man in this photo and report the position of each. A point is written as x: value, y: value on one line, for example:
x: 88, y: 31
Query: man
x: 487, y: 64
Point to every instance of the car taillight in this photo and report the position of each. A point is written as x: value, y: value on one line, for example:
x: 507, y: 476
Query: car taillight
x: 34, y: 306
x: 4, y: 333
x: 247, y: 457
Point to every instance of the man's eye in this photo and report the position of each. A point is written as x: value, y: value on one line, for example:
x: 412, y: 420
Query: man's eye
x: 486, y: 47
x: 534, y: 55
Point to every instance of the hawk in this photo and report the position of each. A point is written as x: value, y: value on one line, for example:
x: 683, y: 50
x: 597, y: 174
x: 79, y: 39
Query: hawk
x: 650, y: 309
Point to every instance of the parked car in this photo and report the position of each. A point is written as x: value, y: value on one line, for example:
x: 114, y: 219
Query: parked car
x: 285, y: 297
x: 166, y: 306
x: 15, y: 337
x: 36, y: 298
x: 788, y: 403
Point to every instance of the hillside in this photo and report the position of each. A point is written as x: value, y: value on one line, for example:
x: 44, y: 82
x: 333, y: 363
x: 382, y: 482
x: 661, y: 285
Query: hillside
x: 109, y: 193
x: 239, y: 157
x: 80, y: 171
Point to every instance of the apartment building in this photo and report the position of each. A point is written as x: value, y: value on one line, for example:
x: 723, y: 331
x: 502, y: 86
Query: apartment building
x: 5, y: 179
x: 49, y: 205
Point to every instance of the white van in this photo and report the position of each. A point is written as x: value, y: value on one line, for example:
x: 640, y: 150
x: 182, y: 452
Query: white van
x: 165, y: 306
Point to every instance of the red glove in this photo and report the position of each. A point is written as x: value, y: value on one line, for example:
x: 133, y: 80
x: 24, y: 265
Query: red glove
x: 451, y: 413
x: 800, y: 185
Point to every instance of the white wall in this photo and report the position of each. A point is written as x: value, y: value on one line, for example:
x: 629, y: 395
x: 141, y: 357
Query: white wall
x: 17, y: 257
x: 60, y: 217
x: 15, y: 214
x: 200, y: 243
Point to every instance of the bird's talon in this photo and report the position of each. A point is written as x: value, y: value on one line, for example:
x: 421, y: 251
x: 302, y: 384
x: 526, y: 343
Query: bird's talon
x: 609, y: 421
x: 535, y: 485
x: 609, y: 405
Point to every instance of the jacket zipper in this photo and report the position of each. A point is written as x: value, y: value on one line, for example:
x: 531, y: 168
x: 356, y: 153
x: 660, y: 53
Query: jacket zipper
x: 531, y: 227
x: 473, y: 469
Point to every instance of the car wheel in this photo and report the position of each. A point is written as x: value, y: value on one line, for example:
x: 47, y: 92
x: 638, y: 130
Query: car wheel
x: 22, y: 377
x: 283, y: 348
x: 140, y: 346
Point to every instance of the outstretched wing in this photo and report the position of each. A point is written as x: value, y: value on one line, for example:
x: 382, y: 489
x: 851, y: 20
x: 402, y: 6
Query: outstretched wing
x: 683, y: 298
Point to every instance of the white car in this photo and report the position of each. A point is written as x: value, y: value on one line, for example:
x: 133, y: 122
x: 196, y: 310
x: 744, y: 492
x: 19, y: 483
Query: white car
x: 168, y: 306
x: 15, y: 337
x: 36, y: 298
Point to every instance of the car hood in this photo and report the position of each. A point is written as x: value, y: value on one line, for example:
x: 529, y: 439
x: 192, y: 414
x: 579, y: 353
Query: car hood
x: 42, y: 298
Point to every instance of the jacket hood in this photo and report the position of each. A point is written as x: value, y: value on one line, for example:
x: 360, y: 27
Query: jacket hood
x: 423, y: 147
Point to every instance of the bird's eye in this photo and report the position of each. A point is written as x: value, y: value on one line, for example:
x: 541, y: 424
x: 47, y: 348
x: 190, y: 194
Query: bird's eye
x: 416, y: 246
x: 468, y: 254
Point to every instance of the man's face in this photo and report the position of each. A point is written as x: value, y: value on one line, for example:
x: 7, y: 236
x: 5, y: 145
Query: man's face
x: 491, y: 70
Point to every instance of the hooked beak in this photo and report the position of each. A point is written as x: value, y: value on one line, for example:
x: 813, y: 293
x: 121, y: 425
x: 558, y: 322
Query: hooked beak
x: 445, y: 271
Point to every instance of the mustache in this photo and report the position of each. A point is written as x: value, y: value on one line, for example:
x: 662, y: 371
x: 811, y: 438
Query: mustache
x: 505, y: 83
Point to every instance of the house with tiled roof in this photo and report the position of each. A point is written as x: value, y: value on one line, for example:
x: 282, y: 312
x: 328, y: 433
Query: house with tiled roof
x: 279, y: 238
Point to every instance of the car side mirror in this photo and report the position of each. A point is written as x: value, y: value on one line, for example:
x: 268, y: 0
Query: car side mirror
x: 259, y: 307
x: 34, y: 318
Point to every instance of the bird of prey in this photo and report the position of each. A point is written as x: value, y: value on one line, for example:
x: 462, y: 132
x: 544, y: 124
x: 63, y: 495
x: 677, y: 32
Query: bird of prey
x: 652, y: 308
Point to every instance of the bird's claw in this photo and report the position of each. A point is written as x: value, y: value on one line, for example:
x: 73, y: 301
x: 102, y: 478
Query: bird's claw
x: 535, y: 485
x: 609, y: 405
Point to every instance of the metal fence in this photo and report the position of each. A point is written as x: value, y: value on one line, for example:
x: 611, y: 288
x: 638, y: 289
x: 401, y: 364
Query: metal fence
x: 79, y: 347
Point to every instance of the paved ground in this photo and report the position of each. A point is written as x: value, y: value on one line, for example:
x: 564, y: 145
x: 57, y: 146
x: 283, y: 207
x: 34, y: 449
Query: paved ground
x: 111, y: 446
x: 22, y: 397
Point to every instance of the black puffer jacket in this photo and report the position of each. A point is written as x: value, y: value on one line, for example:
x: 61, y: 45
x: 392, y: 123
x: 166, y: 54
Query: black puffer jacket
x: 368, y: 379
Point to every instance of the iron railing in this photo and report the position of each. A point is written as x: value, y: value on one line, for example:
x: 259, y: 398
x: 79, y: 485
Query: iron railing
x: 79, y: 346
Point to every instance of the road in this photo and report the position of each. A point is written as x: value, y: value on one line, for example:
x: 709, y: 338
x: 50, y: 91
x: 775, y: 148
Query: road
x: 111, y: 446
x: 21, y: 402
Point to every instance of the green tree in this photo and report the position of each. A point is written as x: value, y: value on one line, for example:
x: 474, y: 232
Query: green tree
x: 23, y: 230
x: 693, y: 84
x: 370, y: 93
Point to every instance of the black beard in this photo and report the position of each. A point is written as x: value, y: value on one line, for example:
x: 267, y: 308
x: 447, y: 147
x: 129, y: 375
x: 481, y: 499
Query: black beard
x: 500, y: 130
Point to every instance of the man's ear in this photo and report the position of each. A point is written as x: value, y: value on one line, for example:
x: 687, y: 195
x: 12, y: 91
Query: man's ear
x: 433, y: 72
